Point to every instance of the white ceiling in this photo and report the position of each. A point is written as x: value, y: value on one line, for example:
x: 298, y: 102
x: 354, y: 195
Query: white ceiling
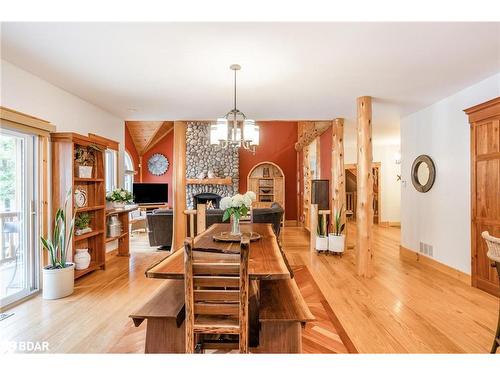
x: 170, y: 71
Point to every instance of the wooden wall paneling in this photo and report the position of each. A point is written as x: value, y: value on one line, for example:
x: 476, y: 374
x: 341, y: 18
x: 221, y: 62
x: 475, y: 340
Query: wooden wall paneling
x: 179, y: 188
x: 338, y: 169
x: 364, y: 211
x: 484, y: 122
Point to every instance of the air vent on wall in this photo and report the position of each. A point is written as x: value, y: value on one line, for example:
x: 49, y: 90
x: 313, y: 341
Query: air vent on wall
x: 426, y: 249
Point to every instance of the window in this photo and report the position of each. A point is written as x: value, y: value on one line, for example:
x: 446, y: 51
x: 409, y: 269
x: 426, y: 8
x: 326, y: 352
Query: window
x: 19, y: 261
x: 129, y: 172
x: 111, y: 170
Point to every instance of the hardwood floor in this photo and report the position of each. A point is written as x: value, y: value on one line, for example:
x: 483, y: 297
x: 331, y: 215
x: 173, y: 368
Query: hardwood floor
x: 405, y: 308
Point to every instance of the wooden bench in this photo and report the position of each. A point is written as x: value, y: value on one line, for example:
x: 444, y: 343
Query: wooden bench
x: 164, y: 312
x: 282, y: 313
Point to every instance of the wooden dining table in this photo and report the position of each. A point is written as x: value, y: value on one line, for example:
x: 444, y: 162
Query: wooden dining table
x: 266, y: 261
x: 268, y: 270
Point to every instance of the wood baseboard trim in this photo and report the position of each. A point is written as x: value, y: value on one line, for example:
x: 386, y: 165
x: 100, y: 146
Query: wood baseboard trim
x: 396, y: 224
x: 411, y: 255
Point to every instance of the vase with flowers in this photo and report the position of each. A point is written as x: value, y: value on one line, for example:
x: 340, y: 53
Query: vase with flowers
x: 236, y: 207
x: 119, y: 197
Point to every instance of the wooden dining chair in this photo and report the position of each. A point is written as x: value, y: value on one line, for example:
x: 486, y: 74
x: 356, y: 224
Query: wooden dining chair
x: 216, y: 293
x: 493, y: 244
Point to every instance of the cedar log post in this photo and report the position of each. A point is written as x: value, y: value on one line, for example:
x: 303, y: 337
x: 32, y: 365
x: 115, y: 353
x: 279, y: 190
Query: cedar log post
x: 338, y: 170
x: 179, y: 188
x: 364, y: 211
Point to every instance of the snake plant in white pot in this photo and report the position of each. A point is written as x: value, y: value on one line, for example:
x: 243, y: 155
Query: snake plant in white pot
x: 321, y: 235
x: 59, y: 275
x: 336, y: 240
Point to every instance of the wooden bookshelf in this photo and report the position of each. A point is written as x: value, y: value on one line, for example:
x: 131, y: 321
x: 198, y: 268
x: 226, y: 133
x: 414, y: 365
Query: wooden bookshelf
x: 267, y: 181
x: 65, y: 178
x: 124, y: 238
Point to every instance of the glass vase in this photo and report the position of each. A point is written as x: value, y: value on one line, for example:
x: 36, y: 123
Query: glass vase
x: 235, y: 226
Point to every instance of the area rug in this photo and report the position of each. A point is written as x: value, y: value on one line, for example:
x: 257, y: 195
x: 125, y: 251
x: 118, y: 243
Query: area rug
x: 324, y: 335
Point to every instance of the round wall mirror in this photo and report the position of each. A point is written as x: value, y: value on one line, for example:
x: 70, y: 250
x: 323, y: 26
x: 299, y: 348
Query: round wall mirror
x: 423, y: 173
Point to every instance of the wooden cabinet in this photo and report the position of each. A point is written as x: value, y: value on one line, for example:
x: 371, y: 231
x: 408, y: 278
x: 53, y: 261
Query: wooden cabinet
x: 485, y: 189
x: 65, y: 178
x: 267, y: 181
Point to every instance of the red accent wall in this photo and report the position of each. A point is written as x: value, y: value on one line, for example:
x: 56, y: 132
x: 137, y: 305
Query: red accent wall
x: 165, y: 147
x: 325, y: 154
x: 277, y: 144
x: 325, y: 157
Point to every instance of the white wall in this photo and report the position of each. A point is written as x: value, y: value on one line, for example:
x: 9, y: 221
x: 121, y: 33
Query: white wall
x: 390, y: 188
x: 27, y: 93
x: 441, y: 217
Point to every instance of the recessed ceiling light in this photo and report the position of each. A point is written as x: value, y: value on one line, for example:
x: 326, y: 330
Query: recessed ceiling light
x: 132, y: 109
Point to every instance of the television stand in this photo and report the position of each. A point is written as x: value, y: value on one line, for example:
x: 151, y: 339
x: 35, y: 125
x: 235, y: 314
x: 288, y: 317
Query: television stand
x: 151, y: 206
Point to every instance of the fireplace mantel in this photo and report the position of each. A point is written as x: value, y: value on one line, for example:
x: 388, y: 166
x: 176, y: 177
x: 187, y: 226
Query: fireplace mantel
x: 209, y: 181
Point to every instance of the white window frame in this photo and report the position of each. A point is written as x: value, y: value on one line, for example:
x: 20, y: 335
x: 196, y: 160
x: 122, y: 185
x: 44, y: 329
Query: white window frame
x: 32, y: 219
x: 111, y: 176
x: 128, y: 162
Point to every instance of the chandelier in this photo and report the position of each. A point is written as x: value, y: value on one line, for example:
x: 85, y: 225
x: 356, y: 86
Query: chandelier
x: 235, y: 129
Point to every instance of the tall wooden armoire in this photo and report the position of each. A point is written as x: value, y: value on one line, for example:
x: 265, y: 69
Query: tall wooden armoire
x: 484, y: 122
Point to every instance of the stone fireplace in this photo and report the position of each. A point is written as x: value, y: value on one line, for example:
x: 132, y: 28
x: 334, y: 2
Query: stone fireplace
x: 202, y: 157
x: 211, y: 200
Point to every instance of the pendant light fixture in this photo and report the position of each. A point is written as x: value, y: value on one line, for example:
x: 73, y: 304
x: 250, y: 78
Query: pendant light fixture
x: 235, y: 129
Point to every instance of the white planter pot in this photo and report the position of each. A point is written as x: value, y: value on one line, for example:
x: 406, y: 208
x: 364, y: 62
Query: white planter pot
x: 84, y: 171
x: 321, y: 243
x: 336, y: 243
x: 58, y: 283
x: 119, y: 205
x: 82, y: 259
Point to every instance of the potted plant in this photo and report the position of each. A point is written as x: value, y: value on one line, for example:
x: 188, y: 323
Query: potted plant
x: 85, y: 157
x: 235, y: 207
x: 321, y: 235
x: 119, y: 197
x: 336, y: 240
x: 82, y: 222
x: 59, y: 275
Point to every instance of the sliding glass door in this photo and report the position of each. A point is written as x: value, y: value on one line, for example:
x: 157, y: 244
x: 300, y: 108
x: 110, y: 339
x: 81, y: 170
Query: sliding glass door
x: 18, y: 230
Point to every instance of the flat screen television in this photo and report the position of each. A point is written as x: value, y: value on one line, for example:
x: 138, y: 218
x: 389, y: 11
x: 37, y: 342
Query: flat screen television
x: 150, y: 193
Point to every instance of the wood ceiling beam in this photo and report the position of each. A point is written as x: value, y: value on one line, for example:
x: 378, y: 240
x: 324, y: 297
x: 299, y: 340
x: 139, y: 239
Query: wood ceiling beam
x: 311, y: 132
x: 159, y: 134
x: 142, y: 132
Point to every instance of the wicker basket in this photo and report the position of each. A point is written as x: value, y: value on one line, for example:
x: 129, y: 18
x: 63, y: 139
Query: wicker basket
x: 493, y: 246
